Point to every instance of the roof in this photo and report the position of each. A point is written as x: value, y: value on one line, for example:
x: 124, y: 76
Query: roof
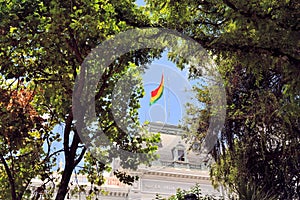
x: 172, y: 139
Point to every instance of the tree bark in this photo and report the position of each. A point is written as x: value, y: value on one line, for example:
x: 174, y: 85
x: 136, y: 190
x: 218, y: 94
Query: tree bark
x: 10, y: 179
x: 71, y: 158
x: 64, y: 183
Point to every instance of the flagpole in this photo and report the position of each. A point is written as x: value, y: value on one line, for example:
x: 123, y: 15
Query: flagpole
x: 165, y: 87
x: 145, y: 116
x: 168, y: 98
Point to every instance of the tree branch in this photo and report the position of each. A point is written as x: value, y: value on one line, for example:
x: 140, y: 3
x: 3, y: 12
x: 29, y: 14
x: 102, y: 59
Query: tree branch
x: 80, y: 156
x: 74, y: 47
x: 67, y: 132
x: 247, y: 48
x: 10, y: 178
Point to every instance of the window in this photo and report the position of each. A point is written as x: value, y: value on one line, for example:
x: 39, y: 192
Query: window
x: 179, y: 153
x: 181, y: 156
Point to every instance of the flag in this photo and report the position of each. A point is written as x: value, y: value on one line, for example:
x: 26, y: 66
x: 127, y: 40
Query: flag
x: 157, y: 93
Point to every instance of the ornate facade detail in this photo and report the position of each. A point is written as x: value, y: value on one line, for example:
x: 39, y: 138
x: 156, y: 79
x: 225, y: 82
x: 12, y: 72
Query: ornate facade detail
x: 177, y: 167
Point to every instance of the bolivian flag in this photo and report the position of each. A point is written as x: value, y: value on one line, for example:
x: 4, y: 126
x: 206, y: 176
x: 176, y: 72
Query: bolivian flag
x: 157, y: 93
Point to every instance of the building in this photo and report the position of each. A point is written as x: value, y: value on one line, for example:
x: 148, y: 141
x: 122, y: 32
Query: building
x: 177, y: 167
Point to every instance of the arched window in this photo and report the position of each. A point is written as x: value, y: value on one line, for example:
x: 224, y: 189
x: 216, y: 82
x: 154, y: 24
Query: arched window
x: 181, y: 156
x: 179, y: 153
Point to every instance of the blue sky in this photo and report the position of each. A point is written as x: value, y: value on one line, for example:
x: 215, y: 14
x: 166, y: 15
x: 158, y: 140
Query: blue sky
x: 140, y: 2
x: 170, y: 108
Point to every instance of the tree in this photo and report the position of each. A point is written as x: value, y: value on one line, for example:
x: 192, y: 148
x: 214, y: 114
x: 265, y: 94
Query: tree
x: 192, y: 194
x: 255, y: 47
x: 45, y: 42
x: 23, y: 134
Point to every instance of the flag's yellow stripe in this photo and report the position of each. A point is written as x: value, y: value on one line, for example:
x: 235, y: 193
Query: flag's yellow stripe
x: 156, y: 97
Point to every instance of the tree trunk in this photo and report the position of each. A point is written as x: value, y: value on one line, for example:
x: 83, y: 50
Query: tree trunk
x: 13, y: 193
x: 10, y: 179
x: 64, y: 183
x: 70, y: 159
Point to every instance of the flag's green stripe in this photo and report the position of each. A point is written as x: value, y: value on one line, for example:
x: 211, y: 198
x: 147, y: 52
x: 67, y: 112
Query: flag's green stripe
x: 158, y: 97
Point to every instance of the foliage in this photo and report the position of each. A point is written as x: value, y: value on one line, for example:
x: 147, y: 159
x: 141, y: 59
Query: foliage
x: 45, y: 42
x: 182, y: 194
x: 256, y: 46
x: 248, y: 190
x: 260, y: 139
x: 255, y: 43
x: 22, y: 136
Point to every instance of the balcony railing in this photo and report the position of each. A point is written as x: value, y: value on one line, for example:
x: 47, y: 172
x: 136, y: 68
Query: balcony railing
x: 180, y: 164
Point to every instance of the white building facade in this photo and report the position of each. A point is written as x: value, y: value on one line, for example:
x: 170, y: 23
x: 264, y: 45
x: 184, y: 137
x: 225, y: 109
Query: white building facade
x: 177, y: 167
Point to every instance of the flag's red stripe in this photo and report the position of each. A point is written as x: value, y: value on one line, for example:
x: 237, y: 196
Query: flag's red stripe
x: 154, y: 92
